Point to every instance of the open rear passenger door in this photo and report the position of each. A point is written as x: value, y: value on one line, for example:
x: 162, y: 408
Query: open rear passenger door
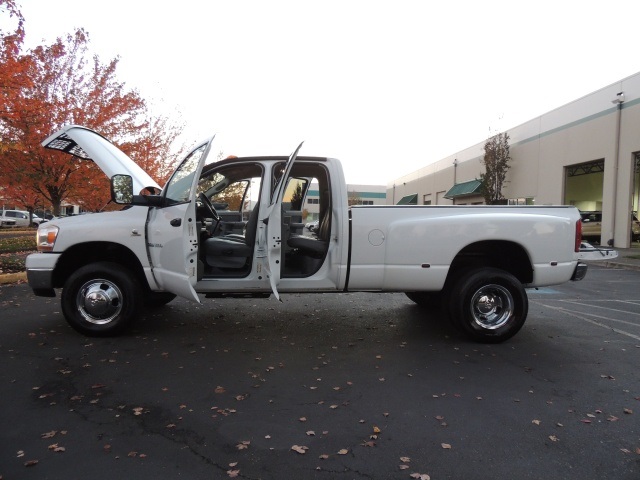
x: 273, y: 222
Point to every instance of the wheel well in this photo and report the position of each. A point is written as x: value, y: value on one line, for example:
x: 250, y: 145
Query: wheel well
x: 508, y: 256
x: 86, y: 253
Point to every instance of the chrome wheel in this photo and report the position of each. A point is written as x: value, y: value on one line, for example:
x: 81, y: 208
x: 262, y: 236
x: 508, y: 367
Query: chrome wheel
x: 99, y: 301
x: 492, y: 306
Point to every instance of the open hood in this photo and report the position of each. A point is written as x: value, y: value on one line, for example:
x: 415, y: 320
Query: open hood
x: 89, y: 145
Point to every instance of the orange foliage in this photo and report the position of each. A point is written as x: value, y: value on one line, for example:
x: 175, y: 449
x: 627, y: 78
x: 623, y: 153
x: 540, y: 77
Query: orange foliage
x: 58, y: 84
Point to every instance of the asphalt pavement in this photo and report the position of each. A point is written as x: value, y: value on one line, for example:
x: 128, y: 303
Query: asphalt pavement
x: 327, y: 386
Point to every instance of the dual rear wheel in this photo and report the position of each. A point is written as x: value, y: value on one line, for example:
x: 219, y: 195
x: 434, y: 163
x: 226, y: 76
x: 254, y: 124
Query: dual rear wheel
x: 487, y: 304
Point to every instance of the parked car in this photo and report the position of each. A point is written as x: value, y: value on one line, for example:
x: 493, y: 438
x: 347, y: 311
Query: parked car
x: 592, y: 226
x: 312, y: 226
x: 20, y: 218
x: 7, y: 223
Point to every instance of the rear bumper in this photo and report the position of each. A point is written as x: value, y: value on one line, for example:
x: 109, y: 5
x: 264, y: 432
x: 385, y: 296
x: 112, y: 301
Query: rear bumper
x: 580, y: 272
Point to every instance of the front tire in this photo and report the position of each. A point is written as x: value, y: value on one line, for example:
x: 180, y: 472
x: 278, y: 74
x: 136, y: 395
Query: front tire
x: 489, y: 305
x: 101, y: 299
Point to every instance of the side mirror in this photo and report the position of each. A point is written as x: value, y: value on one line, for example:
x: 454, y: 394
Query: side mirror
x: 122, y: 189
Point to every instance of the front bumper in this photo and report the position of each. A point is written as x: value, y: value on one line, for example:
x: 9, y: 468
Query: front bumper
x: 580, y: 272
x: 40, y: 267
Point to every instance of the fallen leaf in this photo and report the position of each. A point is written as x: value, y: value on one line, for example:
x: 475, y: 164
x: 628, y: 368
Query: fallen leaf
x: 376, y: 429
x: 553, y: 438
x: 30, y: 463
x: 344, y: 451
x: 303, y: 419
x: 50, y: 434
x: 243, y: 445
x: 301, y: 449
x: 628, y: 411
x: 420, y: 476
x: 233, y: 473
x: 403, y: 467
x: 311, y: 433
x: 405, y: 459
x: 536, y: 422
x: 446, y: 446
x: 324, y: 456
x: 369, y: 443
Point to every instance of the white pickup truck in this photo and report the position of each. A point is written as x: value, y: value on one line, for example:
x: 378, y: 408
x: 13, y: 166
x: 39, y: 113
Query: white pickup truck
x: 233, y: 228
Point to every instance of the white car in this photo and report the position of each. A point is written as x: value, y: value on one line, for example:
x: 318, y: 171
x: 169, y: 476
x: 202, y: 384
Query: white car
x: 20, y: 217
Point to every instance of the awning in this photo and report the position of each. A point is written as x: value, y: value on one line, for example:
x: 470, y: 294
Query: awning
x: 411, y: 199
x: 465, y: 189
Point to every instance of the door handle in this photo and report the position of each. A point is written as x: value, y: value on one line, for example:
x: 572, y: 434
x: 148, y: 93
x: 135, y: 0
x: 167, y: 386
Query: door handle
x: 176, y: 222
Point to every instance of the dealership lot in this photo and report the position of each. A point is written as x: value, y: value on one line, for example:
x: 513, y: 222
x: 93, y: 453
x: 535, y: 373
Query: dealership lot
x: 325, y: 386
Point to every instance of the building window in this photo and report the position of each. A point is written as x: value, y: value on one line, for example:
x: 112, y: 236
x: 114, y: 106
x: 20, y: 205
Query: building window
x: 313, y: 201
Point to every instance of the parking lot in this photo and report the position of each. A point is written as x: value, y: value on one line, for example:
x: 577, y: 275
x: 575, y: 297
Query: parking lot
x: 325, y: 386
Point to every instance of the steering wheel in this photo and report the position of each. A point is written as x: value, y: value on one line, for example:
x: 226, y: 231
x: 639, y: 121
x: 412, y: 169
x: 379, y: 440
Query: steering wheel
x: 204, y: 201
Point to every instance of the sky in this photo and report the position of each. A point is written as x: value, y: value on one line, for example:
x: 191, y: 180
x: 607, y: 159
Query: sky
x: 385, y: 86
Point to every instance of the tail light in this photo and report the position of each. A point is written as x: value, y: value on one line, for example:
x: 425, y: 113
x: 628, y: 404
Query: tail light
x: 578, y: 236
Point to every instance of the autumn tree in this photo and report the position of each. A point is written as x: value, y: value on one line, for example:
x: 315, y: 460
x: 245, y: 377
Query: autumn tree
x: 68, y: 86
x: 496, y: 161
x: 354, y: 199
x: 13, y: 66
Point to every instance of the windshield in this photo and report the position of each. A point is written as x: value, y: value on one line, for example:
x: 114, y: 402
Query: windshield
x: 178, y: 188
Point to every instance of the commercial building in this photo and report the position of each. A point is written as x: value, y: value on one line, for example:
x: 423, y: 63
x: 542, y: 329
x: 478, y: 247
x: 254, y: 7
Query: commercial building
x: 357, y: 195
x: 585, y: 153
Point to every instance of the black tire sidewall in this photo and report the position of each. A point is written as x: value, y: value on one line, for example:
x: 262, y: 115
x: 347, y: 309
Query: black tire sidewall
x: 460, y: 300
x: 119, y: 275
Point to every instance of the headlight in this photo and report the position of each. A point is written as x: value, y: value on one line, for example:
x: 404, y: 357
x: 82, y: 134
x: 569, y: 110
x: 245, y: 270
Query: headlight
x: 46, y: 237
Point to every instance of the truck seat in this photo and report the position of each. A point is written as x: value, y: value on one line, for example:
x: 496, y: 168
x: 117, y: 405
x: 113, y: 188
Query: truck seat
x: 232, y: 251
x: 314, y: 247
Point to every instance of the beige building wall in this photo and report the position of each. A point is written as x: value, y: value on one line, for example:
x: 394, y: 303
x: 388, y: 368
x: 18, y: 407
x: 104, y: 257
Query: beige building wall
x: 592, y: 128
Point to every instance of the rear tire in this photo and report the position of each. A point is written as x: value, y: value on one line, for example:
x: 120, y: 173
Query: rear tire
x: 101, y: 299
x: 489, y: 305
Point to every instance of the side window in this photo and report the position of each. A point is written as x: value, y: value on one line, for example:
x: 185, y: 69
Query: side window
x: 295, y: 193
x: 233, y: 189
x: 178, y: 189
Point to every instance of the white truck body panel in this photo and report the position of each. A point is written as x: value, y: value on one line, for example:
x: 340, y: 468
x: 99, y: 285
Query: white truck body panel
x: 412, y: 247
